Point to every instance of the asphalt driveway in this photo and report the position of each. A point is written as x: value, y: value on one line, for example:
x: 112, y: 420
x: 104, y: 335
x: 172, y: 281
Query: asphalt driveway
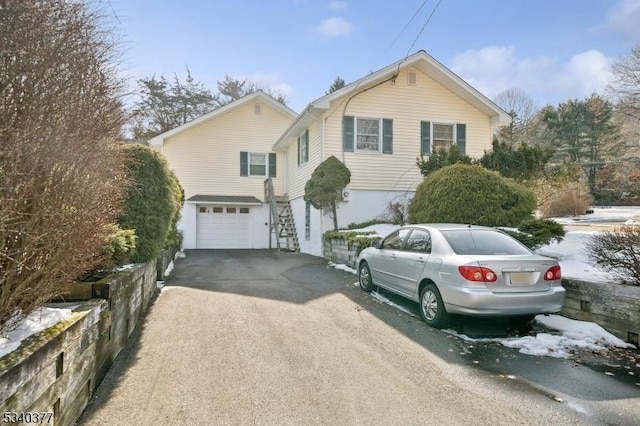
x: 256, y: 337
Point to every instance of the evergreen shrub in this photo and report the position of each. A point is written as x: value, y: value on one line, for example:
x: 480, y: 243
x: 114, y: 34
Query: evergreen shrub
x: 153, y: 203
x: 470, y: 194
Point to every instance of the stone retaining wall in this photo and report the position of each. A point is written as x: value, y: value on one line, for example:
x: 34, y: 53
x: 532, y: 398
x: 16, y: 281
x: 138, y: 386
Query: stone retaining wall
x: 58, y: 369
x: 613, y: 306
x: 340, y: 251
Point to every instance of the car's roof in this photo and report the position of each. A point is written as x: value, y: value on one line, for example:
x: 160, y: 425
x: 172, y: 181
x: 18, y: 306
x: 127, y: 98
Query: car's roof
x: 448, y: 226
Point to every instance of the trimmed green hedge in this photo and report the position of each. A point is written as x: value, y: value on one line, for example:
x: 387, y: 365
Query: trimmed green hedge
x: 153, y: 203
x: 361, y: 240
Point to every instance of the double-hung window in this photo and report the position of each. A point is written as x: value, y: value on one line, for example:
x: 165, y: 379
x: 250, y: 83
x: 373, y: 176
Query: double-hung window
x: 368, y: 134
x: 365, y: 134
x: 257, y: 164
x: 442, y: 136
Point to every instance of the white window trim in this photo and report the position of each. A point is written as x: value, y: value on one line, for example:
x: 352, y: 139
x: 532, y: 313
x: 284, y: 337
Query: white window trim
x: 266, y: 164
x: 454, y: 132
x: 355, y: 136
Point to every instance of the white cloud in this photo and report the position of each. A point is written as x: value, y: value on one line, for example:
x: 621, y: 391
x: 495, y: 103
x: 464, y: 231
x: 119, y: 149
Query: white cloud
x: 494, y: 69
x: 332, y: 28
x: 337, y: 6
x: 623, y: 19
x: 587, y: 72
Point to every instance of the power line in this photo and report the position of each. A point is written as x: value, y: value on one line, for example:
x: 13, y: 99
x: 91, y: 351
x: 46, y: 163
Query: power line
x: 423, y: 28
x: 424, y: 3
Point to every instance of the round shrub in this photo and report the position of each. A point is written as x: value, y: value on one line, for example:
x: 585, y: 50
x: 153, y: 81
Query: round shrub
x: 153, y: 202
x: 471, y: 194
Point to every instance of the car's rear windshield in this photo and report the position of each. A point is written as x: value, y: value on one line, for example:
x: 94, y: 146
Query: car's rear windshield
x: 483, y: 242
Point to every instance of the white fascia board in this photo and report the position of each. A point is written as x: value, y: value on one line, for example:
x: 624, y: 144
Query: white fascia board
x: 304, y: 120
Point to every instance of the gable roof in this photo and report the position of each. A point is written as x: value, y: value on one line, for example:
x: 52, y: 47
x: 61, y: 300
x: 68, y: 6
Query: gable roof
x: 420, y: 60
x: 259, y: 94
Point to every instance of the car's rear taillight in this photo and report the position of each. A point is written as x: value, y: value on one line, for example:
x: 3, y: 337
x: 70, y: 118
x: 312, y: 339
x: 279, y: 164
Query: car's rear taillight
x: 553, y: 274
x: 477, y: 273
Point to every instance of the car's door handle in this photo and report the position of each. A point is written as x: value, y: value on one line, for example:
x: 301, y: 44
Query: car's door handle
x: 421, y: 260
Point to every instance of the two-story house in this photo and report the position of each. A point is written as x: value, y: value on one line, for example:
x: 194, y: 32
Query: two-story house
x: 377, y: 126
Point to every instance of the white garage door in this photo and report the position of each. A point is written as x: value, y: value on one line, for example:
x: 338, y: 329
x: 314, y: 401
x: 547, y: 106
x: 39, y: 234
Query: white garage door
x: 223, y: 227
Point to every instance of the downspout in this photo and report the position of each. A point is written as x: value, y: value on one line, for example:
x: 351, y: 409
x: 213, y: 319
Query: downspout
x: 322, y: 135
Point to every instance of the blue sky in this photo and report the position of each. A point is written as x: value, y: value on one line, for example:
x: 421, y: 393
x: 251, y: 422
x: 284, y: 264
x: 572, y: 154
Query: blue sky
x: 552, y: 49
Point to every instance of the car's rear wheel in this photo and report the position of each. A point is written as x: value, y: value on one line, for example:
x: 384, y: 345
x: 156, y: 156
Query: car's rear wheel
x: 364, y: 277
x: 432, y: 307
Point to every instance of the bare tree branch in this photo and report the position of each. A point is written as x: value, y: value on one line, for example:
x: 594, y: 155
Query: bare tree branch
x: 61, y: 181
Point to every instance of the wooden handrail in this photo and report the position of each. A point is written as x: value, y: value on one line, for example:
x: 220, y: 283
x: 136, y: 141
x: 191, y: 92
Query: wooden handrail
x: 270, y: 197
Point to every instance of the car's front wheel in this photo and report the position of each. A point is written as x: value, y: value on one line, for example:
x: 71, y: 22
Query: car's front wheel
x: 364, y: 277
x: 432, y: 307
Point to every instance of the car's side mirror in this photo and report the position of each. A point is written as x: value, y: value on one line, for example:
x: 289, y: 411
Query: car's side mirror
x: 376, y: 244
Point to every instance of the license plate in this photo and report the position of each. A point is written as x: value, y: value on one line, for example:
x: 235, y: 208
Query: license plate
x: 519, y: 278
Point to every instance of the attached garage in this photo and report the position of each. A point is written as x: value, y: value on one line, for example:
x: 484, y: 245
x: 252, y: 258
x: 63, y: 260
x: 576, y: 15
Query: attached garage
x: 225, y: 222
x: 223, y: 227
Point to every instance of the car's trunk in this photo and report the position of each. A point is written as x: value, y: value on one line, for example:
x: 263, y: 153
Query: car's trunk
x: 517, y: 274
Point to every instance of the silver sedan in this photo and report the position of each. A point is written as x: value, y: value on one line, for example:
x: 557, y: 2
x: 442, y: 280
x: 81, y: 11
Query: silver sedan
x: 462, y: 269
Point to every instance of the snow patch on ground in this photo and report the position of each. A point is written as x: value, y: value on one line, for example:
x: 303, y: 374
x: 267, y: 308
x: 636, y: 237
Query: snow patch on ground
x: 570, y: 335
x: 169, y: 269
x: 381, y: 229
x: 380, y: 298
x: 180, y: 255
x: 602, y: 215
x: 343, y: 267
x: 38, y: 320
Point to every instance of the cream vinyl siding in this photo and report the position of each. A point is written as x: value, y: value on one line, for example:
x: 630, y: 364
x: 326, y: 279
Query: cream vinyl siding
x: 299, y: 175
x: 206, y: 158
x: 407, y: 105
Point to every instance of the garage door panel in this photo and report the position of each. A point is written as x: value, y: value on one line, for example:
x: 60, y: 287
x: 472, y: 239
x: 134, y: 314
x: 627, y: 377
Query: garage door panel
x: 223, y: 227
